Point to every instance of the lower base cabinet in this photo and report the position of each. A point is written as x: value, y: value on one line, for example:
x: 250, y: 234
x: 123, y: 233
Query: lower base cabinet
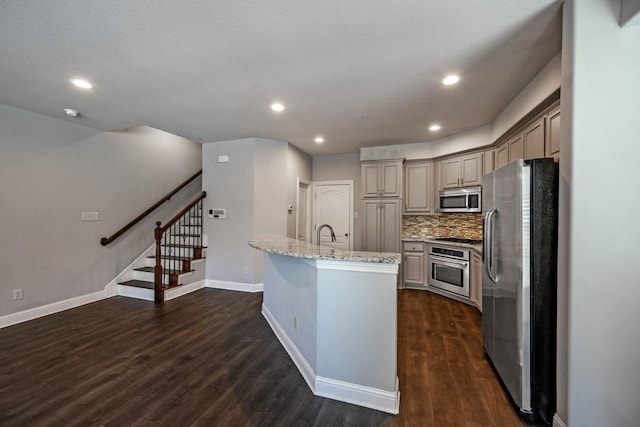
x: 413, y: 261
x: 476, y: 280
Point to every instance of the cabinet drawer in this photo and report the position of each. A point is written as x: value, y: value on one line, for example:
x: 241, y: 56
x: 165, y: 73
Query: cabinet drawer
x: 413, y: 247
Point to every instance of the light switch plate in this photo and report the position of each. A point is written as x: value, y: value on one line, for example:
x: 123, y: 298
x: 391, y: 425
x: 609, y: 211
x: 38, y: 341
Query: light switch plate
x: 90, y: 216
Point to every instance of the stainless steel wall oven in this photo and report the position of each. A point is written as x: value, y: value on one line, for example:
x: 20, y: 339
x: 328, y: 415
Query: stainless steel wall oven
x: 449, y: 269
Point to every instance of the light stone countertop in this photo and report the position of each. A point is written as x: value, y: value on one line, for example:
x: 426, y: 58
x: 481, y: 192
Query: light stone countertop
x: 432, y: 240
x: 282, y: 245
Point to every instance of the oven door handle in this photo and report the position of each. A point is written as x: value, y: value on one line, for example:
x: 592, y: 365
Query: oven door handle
x: 487, y: 250
x: 435, y: 259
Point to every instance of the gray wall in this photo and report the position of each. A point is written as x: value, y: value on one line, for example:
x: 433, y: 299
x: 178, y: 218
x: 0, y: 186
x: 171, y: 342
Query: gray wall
x: 600, y: 176
x: 342, y: 167
x: 51, y: 170
x: 252, y: 187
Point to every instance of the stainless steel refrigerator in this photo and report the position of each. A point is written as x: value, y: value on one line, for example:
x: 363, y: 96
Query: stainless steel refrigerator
x: 520, y: 211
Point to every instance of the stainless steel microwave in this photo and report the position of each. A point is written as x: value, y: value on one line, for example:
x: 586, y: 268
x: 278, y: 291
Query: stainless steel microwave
x: 463, y: 199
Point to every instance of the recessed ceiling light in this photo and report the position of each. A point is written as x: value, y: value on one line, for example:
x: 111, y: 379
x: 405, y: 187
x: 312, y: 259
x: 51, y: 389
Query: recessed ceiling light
x: 434, y: 128
x: 319, y: 140
x: 450, y: 80
x: 81, y: 83
x: 277, y: 107
x: 71, y: 112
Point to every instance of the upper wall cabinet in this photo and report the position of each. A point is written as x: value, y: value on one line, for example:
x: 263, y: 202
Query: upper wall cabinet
x: 533, y: 140
x: 462, y: 171
x: 516, y: 147
x: 538, y: 138
x: 502, y: 155
x: 489, y: 161
x: 381, y: 178
x: 552, y: 143
x: 418, y: 188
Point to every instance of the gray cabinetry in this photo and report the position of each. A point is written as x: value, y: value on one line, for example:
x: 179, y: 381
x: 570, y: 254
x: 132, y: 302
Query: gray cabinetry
x: 462, y: 170
x: 381, y: 225
x: 381, y: 178
x: 476, y: 280
x: 533, y: 140
x: 413, y: 262
x: 418, y: 190
x: 552, y: 142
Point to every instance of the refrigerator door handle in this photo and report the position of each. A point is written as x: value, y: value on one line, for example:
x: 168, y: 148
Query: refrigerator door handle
x: 487, y: 251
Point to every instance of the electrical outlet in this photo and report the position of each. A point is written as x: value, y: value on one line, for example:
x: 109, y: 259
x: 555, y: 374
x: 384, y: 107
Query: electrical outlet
x: 295, y: 322
x: 245, y: 269
x: 17, y: 294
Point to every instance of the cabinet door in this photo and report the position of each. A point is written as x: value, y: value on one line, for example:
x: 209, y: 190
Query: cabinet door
x: 471, y: 166
x: 370, y: 179
x: 371, y: 225
x: 515, y: 148
x: 391, y: 179
x: 390, y: 225
x: 476, y: 280
x: 552, y: 148
x: 414, y: 268
x: 489, y: 161
x: 451, y: 172
x: 533, y: 140
x: 418, y: 184
x: 502, y: 155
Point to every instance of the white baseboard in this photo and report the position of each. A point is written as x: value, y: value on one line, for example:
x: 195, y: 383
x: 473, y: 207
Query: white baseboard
x: 298, y: 359
x: 235, y: 286
x: 183, y: 290
x: 357, y: 394
x: 54, y: 307
x: 557, y: 421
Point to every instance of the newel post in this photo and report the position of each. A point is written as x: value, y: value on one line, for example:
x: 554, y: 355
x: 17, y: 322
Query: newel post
x: 157, y: 270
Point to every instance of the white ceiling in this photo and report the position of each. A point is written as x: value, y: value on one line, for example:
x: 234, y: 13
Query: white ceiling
x: 208, y: 70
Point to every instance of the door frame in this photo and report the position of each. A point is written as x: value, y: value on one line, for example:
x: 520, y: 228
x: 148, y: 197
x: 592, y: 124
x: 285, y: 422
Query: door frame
x: 308, y: 217
x: 348, y: 182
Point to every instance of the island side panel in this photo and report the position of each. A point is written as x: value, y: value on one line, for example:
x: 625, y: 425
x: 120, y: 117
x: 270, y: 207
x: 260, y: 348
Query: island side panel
x: 357, y: 328
x: 290, y: 286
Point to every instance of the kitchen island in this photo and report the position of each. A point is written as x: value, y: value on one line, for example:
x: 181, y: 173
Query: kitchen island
x: 335, y: 313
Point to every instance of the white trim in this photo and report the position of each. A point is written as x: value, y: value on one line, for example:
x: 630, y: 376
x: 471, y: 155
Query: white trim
x: 181, y: 290
x: 557, y: 421
x: 234, y: 286
x: 112, y: 288
x: 298, y: 359
x: 359, y: 266
x: 54, y: 307
x: 369, y: 397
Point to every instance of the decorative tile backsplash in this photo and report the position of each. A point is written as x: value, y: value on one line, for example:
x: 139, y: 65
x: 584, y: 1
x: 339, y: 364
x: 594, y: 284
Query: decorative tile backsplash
x: 460, y: 225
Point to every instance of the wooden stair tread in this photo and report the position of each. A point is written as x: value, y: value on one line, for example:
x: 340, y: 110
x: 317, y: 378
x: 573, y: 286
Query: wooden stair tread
x: 149, y: 269
x: 185, y: 235
x: 177, y: 258
x: 138, y: 284
x: 180, y: 245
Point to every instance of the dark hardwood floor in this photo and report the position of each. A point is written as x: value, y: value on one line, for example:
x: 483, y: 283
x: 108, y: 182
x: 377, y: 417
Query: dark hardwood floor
x: 210, y: 359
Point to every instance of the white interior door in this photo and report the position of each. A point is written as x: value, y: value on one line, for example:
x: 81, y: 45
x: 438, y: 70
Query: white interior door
x: 333, y: 205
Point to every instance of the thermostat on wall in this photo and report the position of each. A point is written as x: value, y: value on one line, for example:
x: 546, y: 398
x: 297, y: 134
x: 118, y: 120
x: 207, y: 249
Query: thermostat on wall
x: 217, y: 213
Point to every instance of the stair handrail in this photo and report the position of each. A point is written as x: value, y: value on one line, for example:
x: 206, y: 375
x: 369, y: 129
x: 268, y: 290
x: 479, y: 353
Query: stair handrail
x: 159, y: 234
x: 106, y: 240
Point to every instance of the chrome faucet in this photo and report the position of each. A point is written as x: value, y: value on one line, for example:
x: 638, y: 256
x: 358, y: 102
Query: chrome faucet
x: 333, y: 235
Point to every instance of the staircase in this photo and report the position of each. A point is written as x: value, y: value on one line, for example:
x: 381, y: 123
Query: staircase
x: 166, y: 269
